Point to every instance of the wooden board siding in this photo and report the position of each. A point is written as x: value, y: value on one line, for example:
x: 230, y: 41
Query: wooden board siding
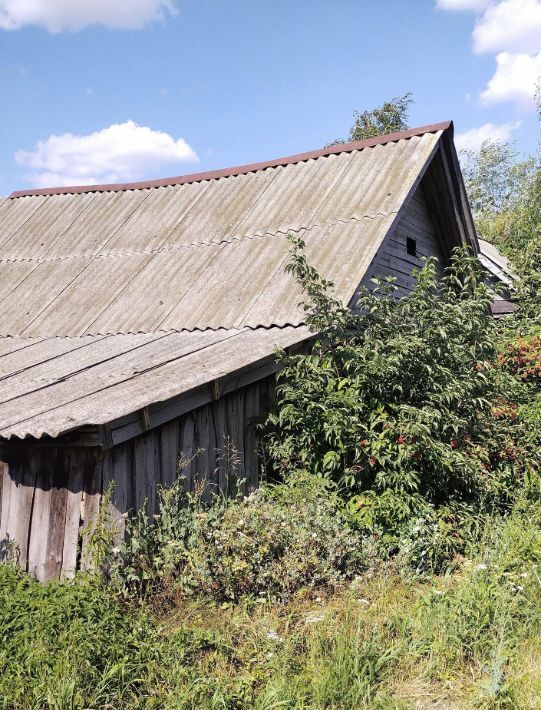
x: 393, y: 259
x: 50, y: 495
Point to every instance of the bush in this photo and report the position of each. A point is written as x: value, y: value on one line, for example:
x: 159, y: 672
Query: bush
x: 270, y: 544
x: 403, y: 402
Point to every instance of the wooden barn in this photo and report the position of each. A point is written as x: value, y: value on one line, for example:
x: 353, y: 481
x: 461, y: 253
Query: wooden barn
x: 138, y: 322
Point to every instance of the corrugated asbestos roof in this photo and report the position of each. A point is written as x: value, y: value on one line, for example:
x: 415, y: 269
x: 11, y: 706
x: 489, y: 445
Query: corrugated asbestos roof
x: 59, y: 384
x: 112, y: 297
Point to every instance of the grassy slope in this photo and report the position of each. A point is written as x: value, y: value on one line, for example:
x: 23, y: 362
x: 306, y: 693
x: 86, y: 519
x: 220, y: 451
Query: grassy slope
x: 468, y: 639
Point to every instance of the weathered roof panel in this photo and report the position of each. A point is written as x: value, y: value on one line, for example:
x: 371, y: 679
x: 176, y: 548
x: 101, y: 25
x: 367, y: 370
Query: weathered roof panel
x: 103, y: 379
x: 498, y: 264
x: 117, y: 297
x: 202, y: 255
x: 14, y: 213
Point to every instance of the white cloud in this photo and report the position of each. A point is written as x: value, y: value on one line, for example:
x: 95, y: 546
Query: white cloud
x: 472, y: 139
x: 474, y: 5
x: 511, y: 30
x: 122, y: 152
x: 509, y: 26
x: 58, y: 15
x: 514, y: 80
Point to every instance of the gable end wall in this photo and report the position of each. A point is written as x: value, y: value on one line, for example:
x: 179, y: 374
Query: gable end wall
x: 393, y: 259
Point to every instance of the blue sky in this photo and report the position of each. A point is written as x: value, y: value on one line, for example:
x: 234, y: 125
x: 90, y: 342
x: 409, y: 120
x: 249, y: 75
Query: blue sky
x: 150, y: 88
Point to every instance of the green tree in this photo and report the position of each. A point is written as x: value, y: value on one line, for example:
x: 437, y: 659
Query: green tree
x: 504, y: 192
x: 399, y: 401
x: 392, y: 116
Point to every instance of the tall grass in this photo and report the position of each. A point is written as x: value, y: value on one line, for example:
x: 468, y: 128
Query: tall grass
x: 466, y: 639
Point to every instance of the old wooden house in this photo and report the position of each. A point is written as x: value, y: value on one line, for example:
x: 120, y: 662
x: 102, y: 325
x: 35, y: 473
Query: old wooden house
x: 138, y: 322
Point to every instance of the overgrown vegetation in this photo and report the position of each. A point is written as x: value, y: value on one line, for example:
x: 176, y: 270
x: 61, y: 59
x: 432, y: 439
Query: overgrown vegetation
x: 467, y: 639
x: 395, y: 559
x: 268, y: 545
x: 504, y: 191
x: 407, y: 407
x: 397, y: 564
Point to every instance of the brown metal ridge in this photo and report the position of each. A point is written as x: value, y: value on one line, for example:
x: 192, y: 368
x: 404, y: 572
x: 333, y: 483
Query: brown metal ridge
x: 241, y: 169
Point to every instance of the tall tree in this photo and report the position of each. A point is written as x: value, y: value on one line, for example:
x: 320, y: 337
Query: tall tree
x: 392, y: 116
x: 504, y: 194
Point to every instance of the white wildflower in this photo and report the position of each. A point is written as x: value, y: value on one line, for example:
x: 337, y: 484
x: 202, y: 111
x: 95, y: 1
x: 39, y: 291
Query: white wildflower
x: 480, y: 567
x: 363, y: 601
x: 274, y: 636
x: 314, y: 619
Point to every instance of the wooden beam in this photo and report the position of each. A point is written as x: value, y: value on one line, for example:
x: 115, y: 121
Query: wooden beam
x: 131, y: 425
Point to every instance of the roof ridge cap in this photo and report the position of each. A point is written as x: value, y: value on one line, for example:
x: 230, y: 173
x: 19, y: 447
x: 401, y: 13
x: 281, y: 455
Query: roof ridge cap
x: 241, y: 169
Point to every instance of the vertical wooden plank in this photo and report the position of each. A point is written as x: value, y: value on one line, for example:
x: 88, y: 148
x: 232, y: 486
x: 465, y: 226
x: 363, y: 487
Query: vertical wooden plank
x: 270, y: 388
x: 116, y: 485
x: 221, y: 436
x: 239, y: 433
x: 201, y: 416
x: 122, y: 494
x: 235, y: 426
x: 188, y: 447
x: 78, y: 465
x: 169, y: 452
x: 251, y: 417
x: 153, y: 479
x: 24, y: 467
x: 8, y: 494
x: 139, y: 469
x: 7, y: 487
x: 90, y: 508
x: 212, y: 473
x: 12, y: 485
x: 57, y: 515
x: 39, y: 528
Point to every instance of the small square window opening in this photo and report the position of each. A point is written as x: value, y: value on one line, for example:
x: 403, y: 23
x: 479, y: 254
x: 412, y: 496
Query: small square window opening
x: 411, y: 246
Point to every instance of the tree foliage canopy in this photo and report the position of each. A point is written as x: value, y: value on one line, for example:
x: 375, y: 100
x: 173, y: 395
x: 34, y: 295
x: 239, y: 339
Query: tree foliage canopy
x: 504, y: 191
x: 390, y: 117
x: 401, y: 401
